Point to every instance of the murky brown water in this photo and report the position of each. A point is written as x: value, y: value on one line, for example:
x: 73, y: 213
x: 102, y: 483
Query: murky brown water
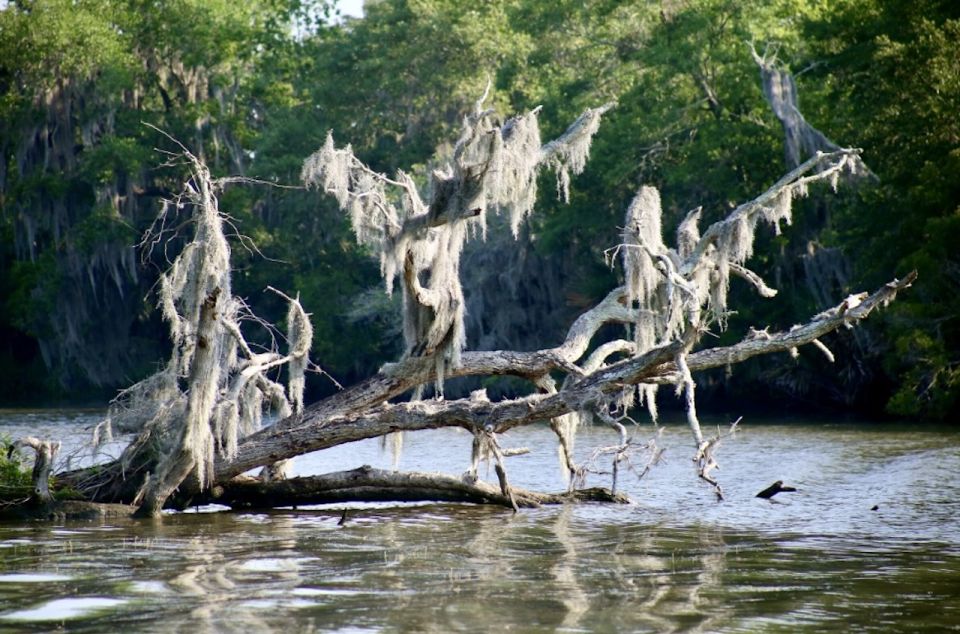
x: 817, y: 560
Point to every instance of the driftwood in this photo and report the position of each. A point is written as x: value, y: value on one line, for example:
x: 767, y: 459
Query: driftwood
x: 773, y: 489
x: 367, y: 484
x: 40, y: 504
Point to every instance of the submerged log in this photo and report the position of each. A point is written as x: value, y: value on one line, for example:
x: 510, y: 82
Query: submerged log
x: 367, y: 484
x: 773, y: 489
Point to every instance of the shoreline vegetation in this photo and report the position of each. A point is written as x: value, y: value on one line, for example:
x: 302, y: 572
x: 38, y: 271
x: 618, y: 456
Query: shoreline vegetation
x: 253, y: 89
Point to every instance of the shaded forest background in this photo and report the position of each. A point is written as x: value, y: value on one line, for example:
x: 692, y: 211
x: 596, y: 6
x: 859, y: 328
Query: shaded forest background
x: 253, y: 88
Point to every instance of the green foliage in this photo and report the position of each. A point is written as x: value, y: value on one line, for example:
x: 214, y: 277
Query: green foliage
x: 114, y: 154
x: 79, y: 180
x: 897, y: 64
x: 28, y: 297
x: 15, y: 481
x: 254, y: 88
x: 102, y: 226
x: 929, y: 382
x: 399, y: 80
x: 45, y: 41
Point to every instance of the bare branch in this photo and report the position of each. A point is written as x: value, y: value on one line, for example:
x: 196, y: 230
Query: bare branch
x: 823, y: 166
x: 840, y: 316
x: 599, y: 356
x: 755, y: 280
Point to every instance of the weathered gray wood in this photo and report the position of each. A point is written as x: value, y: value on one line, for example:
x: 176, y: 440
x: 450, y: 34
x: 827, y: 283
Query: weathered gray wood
x: 376, y: 485
x: 45, y: 451
x: 850, y: 311
x: 315, y: 431
x: 355, y: 415
x: 178, y: 465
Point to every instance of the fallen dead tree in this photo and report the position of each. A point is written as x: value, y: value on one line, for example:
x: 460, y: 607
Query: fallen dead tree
x: 200, y: 416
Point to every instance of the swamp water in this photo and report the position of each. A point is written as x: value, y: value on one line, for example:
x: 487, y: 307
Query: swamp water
x: 817, y: 560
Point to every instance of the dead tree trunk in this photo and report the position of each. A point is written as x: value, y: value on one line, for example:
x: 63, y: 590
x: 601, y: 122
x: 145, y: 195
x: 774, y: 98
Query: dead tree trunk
x: 215, y: 388
x: 175, y: 468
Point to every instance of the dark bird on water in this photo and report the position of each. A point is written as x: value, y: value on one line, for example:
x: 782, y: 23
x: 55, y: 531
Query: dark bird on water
x: 773, y: 489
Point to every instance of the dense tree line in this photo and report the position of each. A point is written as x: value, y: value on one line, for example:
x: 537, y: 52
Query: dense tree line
x: 254, y: 88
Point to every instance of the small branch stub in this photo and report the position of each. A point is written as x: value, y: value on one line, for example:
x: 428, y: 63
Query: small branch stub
x: 46, y: 451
